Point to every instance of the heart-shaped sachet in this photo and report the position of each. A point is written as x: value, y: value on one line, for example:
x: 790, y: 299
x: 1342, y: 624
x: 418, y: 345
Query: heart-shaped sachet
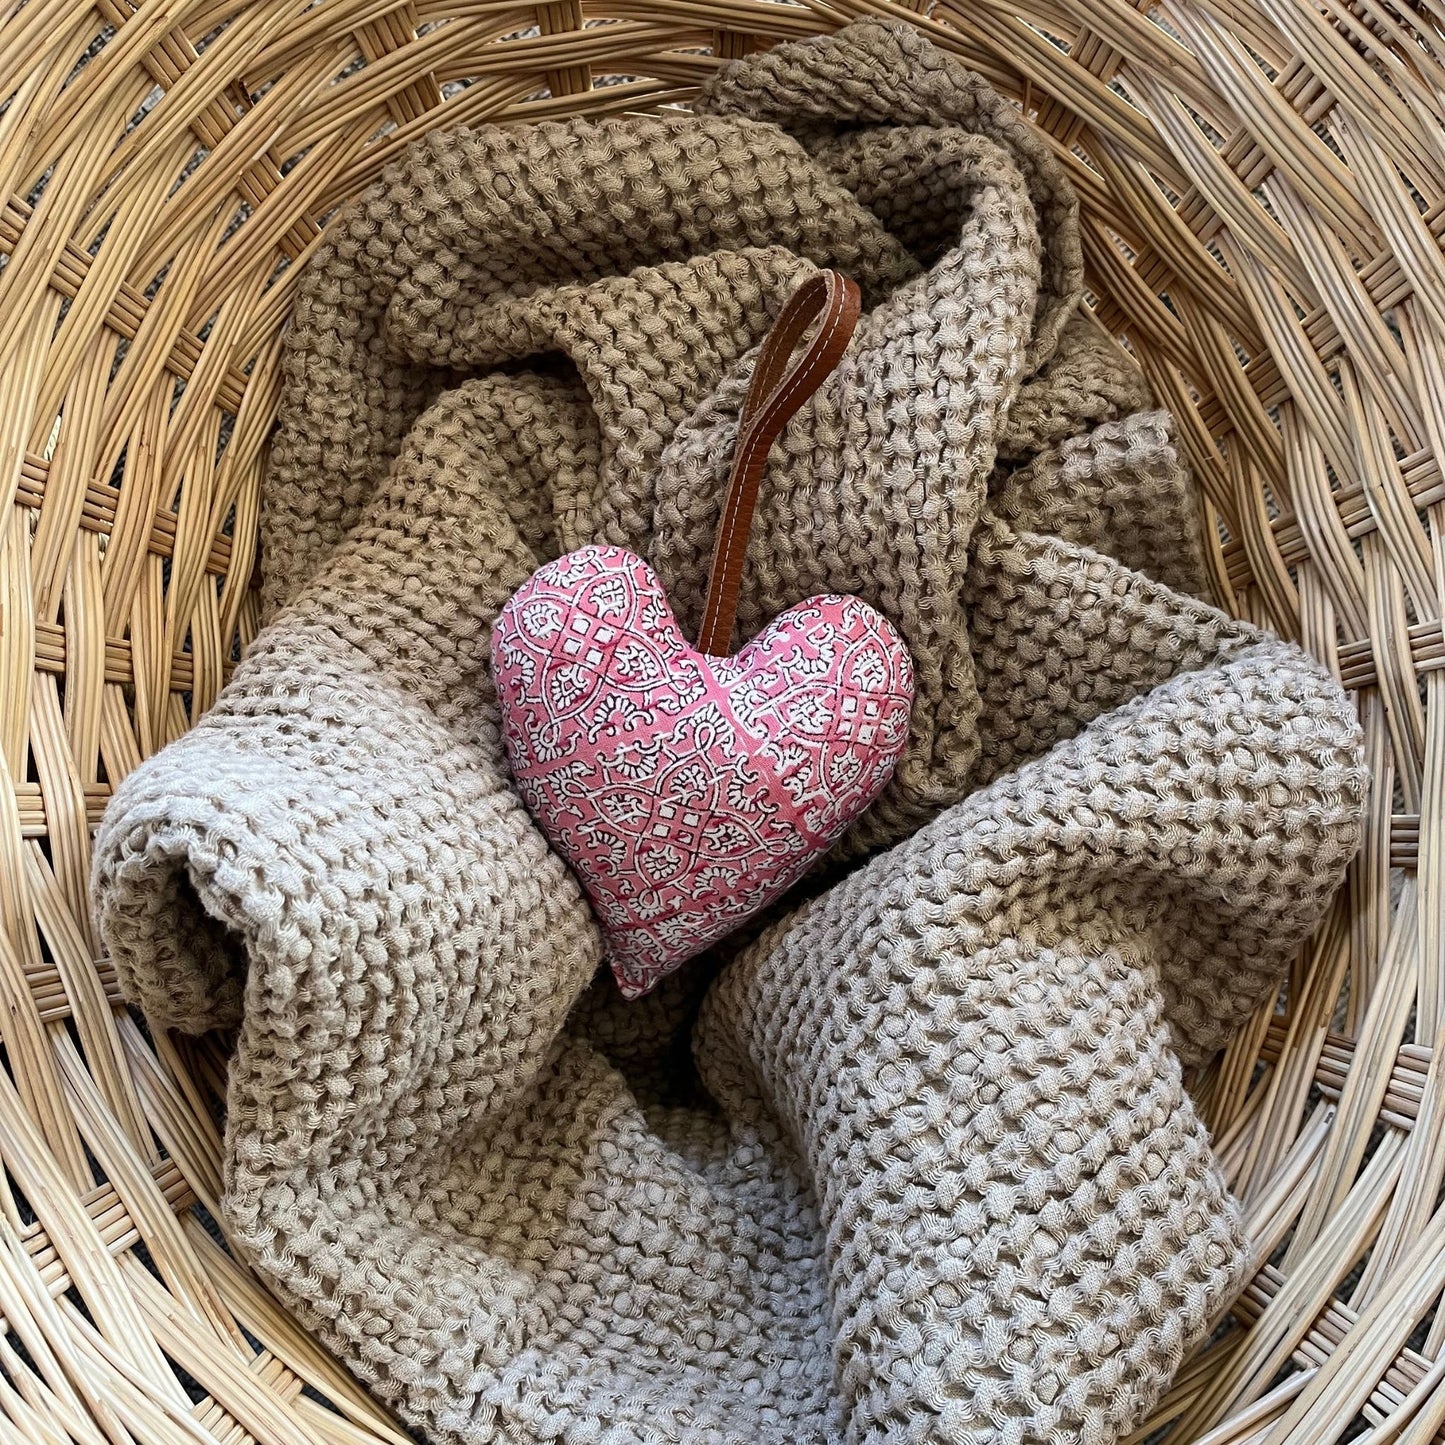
x: 686, y: 789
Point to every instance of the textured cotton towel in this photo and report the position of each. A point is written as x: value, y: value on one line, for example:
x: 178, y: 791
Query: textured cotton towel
x: 914, y: 1162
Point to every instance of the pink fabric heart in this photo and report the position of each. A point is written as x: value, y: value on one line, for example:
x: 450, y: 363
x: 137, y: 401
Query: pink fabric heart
x: 687, y: 791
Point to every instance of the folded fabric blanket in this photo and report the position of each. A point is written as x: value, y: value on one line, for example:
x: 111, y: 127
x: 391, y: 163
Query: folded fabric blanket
x: 914, y: 1161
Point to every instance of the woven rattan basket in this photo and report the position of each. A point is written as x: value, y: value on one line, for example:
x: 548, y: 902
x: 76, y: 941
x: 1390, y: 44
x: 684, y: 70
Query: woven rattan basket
x: 1264, y: 188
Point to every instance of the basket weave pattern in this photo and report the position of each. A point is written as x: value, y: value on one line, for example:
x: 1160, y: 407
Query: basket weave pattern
x: 1264, y: 195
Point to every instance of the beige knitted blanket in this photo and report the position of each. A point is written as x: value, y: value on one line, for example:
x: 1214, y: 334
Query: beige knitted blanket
x: 915, y: 1163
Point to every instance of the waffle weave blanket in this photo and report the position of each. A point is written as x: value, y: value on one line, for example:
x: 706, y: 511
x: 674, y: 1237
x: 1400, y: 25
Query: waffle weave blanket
x: 913, y: 1160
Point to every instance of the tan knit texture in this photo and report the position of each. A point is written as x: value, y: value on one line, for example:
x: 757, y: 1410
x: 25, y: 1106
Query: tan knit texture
x: 914, y: 1161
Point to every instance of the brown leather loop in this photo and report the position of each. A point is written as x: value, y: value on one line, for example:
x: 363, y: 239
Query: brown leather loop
x: 775, y: 394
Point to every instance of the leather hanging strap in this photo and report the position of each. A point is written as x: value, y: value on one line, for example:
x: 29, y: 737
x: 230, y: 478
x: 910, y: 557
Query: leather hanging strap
x: 775, y: 394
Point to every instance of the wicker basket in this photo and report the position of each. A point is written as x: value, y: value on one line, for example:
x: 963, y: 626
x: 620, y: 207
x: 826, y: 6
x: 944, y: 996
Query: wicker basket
x: 1264, y: 186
